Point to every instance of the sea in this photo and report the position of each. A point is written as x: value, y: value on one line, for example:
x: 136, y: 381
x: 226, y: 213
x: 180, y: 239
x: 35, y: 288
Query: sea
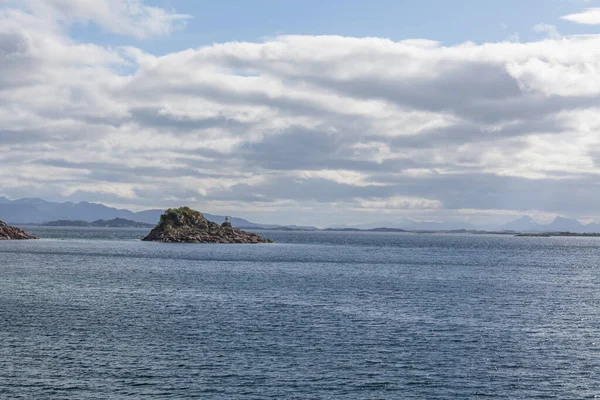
x: 98, y: 314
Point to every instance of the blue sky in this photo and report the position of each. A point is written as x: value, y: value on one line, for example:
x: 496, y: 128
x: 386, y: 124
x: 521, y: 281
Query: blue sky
x: 449, y: 22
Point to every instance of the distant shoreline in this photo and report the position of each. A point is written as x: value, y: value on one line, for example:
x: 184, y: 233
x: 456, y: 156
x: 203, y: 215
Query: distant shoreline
x: 113, y: 223
x: 127, y: 224
x: 558, y: 234
x: 388, y: 230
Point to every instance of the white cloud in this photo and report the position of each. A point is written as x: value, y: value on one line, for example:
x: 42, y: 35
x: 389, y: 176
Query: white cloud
x: 550, y: 31
x: 125, y: 17
x: 590, y: 16
x: 297, y: 122
x: 398, y: 203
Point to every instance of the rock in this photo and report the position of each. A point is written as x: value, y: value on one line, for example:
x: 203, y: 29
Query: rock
x: 184, y: 225
x: 11, y: 233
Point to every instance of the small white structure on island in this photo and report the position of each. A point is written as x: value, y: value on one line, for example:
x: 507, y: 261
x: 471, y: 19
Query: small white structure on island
x: 227, y: 223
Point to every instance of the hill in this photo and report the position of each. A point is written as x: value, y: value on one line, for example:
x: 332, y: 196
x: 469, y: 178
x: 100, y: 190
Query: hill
x: 101, y: 223
x: 39, y: 211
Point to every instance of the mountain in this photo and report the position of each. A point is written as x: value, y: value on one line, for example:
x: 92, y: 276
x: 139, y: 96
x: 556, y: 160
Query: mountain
x: 593, y: 227
x: 526, y: 224
x: 561, y: 224
x: 410, y: 225
x: 38, y: 211
x: 148, y: 216
x: 101, y: 223
x: 523, y: 224
x: 237, y: 222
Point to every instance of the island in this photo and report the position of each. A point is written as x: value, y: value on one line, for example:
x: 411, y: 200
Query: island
x: 112, y: 223
x: 184, y: 225
x: 12, y: 233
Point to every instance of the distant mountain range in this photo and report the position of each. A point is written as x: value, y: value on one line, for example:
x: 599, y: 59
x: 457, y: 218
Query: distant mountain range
x: 101, y: 223
x: 38, y: 211
x: 560, y: 224
x: 525, y: 224
x: 410, y: 225
x: 24, y: 211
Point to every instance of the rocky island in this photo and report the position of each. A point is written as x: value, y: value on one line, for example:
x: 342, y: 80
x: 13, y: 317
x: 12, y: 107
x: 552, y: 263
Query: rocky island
x: 184, y: 225
x: 12, y: 233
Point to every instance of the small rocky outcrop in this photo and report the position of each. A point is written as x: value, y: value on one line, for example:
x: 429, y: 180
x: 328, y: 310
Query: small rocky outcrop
x: 12, y: 233
x: 184, y: 225
x: 227, y: 223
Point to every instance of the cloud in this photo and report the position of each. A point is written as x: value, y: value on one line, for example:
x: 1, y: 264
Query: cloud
x: 124, y: 17
x: 550, y: 31
x: 335, y: 126
x: 590, y: 16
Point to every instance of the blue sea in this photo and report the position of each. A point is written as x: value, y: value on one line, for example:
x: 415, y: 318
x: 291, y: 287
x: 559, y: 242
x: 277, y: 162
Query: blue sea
x: 98, y: 314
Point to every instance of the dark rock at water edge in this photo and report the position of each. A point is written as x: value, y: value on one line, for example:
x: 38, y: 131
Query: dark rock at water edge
x: 184, y: 225
x: 11, y: 233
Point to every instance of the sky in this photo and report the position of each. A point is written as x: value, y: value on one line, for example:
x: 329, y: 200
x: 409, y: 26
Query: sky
x: 305, y: 112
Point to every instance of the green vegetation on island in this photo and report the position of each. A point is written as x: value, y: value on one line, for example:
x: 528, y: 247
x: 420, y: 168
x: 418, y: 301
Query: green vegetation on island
x: 184, y: 225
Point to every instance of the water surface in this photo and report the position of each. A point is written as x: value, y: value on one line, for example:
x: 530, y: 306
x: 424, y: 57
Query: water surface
x: 96, y: 314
